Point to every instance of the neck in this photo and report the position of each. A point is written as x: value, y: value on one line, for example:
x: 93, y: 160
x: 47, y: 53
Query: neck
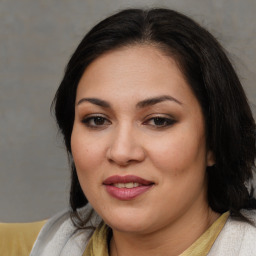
x: 174, y: 239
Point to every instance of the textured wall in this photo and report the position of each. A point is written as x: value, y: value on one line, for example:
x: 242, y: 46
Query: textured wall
x: 37, y: 38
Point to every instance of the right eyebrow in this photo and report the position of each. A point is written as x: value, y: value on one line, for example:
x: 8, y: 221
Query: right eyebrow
x: 95, y: 101
x: 156, y: 100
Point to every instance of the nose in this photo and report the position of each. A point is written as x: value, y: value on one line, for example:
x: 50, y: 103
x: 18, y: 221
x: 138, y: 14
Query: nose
x: 125, y: 147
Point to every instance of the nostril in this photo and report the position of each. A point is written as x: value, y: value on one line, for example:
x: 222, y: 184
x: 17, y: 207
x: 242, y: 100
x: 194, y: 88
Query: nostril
x: 119, y: 161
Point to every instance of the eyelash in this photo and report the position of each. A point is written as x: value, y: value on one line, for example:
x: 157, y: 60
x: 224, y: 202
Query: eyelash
x: 166, y: 122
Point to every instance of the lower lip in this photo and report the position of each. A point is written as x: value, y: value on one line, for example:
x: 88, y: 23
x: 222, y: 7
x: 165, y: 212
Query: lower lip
x: 126, y: 193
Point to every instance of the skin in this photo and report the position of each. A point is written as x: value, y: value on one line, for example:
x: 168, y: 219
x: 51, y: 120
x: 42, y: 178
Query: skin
x: 128, y: 139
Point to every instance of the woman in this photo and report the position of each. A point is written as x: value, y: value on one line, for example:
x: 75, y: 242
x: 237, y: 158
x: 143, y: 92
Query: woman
x: 161, y: 143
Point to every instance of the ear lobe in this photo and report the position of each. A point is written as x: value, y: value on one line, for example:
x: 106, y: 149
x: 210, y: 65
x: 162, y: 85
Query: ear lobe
x: 210, y: 158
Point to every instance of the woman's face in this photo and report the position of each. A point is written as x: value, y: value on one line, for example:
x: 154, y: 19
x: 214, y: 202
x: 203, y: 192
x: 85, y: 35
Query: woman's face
x: 138, y: 141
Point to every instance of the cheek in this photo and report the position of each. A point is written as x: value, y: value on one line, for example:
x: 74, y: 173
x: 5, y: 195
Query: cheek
x: 181, y: 164
x: 88, y: 156
x: 87, y: 153
x: 179, y: 153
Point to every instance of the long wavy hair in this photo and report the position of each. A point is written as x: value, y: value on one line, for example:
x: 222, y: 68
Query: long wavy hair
x: 230, y: 127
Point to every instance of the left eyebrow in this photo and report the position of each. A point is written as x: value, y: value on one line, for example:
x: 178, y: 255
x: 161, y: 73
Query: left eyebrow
x: 155, y: 100
x: 95, y: 101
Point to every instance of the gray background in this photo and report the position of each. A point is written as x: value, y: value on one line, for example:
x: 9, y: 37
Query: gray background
x: 36, y: 41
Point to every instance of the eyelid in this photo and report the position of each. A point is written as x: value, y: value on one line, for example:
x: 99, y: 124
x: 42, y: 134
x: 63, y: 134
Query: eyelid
x: 95, y: 115
x: 160, y: 115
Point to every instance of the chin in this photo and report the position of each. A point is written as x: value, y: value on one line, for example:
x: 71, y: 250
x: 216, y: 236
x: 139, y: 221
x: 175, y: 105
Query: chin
x: 128, y: 227
x: 128, y: 222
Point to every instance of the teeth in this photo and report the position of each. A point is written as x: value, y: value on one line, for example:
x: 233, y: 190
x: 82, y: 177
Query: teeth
x: 126, y: 185
x: 119, y: 185
x: 129, y: 185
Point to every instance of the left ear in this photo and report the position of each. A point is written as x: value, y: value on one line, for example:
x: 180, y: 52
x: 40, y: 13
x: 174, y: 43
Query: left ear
x: 210, y: 158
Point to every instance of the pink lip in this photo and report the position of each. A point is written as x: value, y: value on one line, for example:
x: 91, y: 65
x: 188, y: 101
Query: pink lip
x: 126, y: 179
x: 126, y: 193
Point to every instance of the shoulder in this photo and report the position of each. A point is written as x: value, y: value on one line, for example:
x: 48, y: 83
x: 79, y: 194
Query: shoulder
x: 60, y: 236
x: 18, y: 238
x: 237, y: 237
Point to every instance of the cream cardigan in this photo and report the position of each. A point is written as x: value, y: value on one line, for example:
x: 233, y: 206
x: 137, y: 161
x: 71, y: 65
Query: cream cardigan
x: 237, y: 238
x: 59, y: 237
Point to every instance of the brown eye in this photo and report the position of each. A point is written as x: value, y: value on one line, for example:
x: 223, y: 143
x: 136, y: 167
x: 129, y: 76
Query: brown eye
x: 96, y: 121
x: 160, y: 122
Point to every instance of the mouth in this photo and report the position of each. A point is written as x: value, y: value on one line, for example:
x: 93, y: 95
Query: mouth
x: 126, y: 187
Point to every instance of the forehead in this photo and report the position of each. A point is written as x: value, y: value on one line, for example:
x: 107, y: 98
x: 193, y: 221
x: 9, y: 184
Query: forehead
x: 135, y: 71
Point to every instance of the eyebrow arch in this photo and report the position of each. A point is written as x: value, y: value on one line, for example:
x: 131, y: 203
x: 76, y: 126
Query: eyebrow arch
x: 95, y: 101
x: 155, y: 100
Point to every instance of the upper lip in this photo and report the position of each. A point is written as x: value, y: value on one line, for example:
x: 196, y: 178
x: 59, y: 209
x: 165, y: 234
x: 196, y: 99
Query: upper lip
x: 126, y: 179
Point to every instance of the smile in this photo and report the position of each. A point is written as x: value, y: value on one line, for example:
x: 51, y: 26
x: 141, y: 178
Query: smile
x: 126, y: 187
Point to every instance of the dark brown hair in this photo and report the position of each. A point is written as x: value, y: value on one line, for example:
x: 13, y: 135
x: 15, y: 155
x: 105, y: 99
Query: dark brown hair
x: 230, y: 126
